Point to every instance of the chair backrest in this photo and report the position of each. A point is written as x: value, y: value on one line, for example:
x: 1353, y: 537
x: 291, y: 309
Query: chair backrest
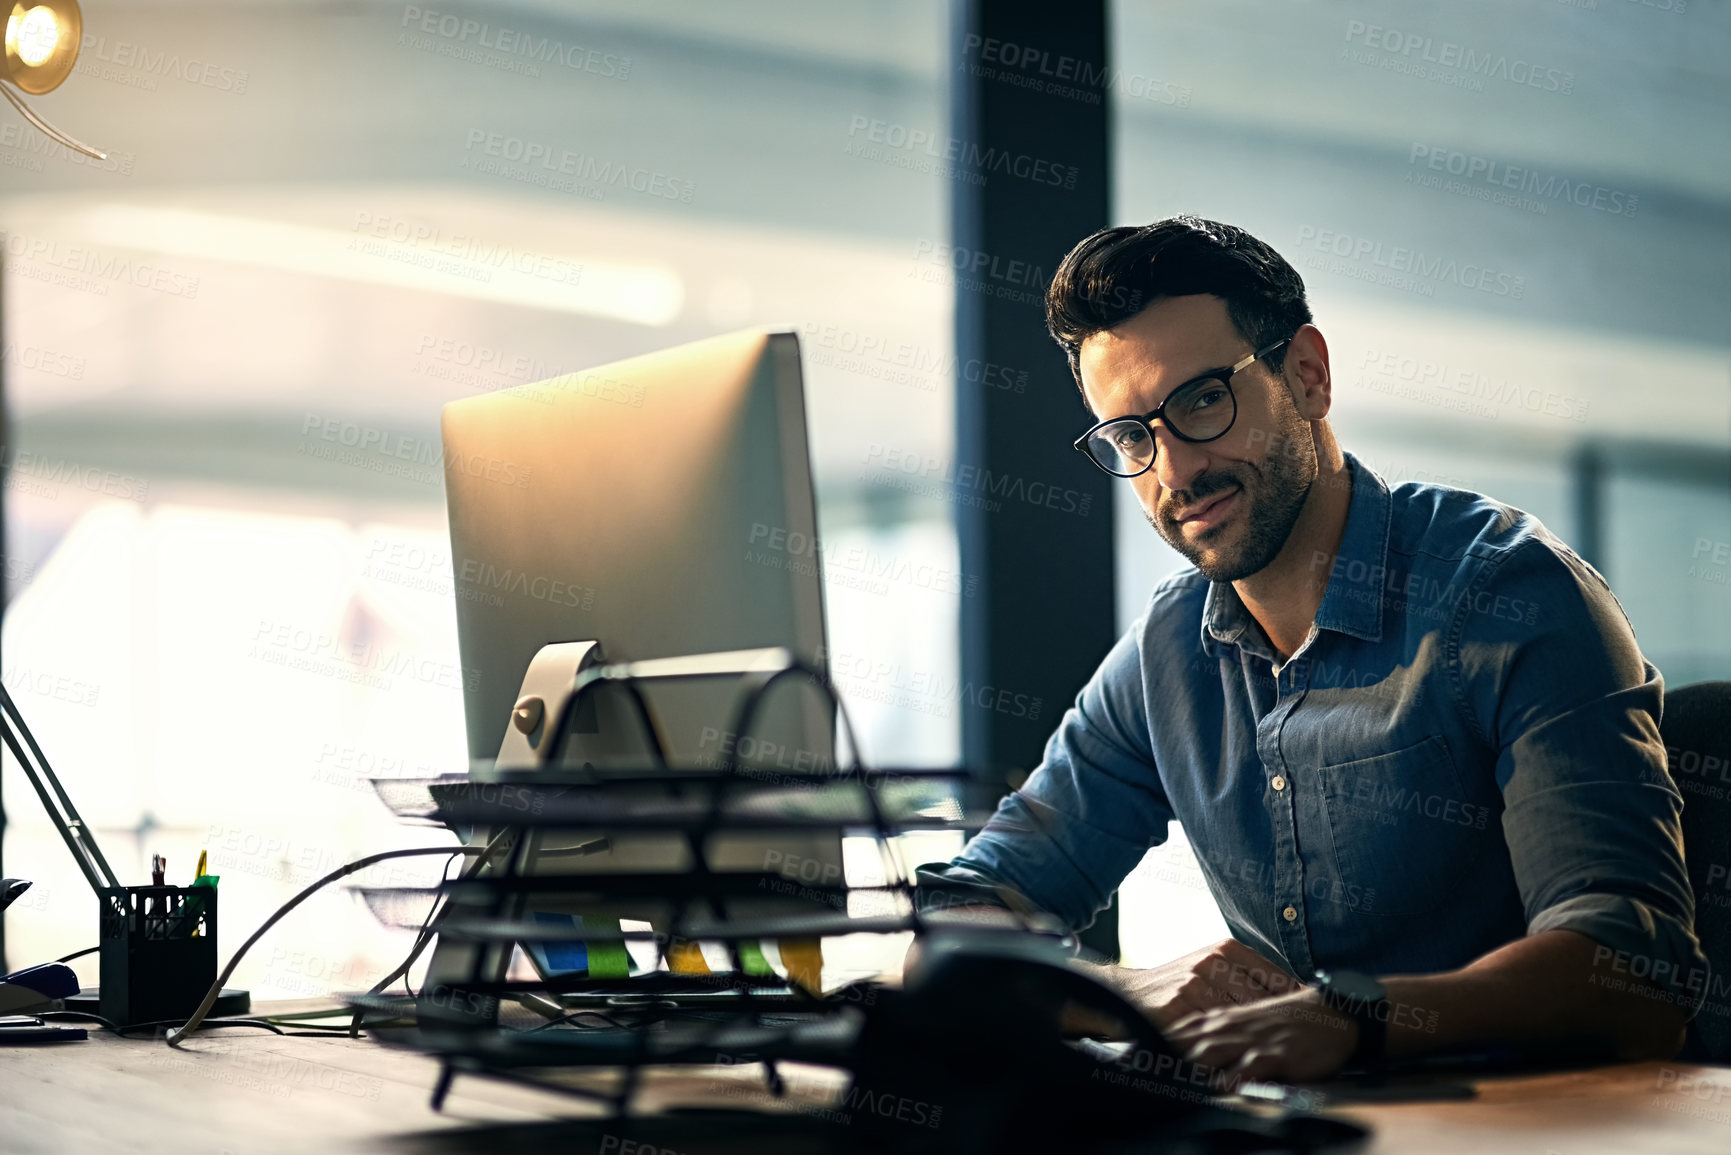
x: 1696, y: 728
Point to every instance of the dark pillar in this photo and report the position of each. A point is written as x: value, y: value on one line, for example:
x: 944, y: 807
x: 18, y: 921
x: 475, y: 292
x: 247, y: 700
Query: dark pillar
x: 1029, y: 144
x: 1587, y: 485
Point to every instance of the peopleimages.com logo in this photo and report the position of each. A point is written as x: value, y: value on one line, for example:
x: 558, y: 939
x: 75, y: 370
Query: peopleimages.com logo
x: 1535, y: 183
x: 1446, y: 62
x: 1415, y: 265
x: 559, y: 168
x: 513, y: 44
x: 968, y: 156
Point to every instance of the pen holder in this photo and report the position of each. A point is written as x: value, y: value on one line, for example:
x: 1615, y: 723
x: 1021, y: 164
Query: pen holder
x: 158, y: 952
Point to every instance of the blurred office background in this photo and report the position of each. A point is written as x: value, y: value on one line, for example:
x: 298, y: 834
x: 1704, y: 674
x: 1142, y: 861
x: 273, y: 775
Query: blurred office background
x: 226, y: 349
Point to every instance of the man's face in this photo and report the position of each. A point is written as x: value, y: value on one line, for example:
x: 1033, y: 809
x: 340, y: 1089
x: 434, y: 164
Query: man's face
x: 1227, y: 505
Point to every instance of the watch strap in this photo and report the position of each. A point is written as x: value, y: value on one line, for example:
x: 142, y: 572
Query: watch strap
x: 1371, y: 1016
x: 1372, y: 1020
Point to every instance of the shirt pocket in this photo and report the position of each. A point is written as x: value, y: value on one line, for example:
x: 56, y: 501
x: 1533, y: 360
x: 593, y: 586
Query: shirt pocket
x: 1401, y: 829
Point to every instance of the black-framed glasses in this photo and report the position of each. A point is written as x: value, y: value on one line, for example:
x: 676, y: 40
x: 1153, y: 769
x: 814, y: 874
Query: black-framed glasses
x: 1201, y: 409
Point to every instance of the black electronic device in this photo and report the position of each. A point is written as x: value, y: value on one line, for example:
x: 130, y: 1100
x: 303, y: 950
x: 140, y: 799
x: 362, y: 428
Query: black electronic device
x: 978, y: 1038
x: 25, y: 1030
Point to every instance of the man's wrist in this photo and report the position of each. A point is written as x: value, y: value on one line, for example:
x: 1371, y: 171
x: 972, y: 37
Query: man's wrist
x: 1363, y: 1000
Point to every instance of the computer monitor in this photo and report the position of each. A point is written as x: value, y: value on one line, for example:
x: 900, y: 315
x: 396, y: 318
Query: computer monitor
x: 660, y: 506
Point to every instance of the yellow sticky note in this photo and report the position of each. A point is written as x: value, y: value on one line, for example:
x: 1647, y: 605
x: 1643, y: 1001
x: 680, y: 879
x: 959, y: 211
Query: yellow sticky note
x: 803, y: 958
x: 684, y: 958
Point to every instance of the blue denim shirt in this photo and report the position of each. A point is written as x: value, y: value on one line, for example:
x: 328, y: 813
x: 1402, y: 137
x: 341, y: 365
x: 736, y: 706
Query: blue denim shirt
x: 1464, y: 750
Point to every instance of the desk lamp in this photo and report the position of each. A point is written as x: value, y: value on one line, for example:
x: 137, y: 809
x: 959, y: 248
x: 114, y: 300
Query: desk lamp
x: 42, y: 42
x: 158, y: 942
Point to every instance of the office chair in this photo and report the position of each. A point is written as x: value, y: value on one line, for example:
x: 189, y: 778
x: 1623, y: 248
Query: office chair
x: 1696, y: 729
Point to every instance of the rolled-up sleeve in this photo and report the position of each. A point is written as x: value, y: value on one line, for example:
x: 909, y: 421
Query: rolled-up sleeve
x: 1063, y: 842
x: 1549, y: 669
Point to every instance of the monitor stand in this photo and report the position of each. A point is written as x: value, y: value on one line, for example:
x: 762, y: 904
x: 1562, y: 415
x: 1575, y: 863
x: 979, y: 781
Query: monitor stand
x: 547, y: 686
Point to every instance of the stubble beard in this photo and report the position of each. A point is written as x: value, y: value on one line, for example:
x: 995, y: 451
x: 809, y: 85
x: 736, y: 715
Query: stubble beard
x: 1273, y: 496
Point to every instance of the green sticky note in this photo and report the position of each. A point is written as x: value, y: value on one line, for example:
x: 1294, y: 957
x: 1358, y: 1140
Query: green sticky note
x: 752, y: 959
x: 608, y: 958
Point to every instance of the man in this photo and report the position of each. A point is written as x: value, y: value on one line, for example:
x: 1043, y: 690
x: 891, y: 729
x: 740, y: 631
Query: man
x: 1407, y: 730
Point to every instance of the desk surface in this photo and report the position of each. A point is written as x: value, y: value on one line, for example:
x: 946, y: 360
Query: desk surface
x: 246, y: 1092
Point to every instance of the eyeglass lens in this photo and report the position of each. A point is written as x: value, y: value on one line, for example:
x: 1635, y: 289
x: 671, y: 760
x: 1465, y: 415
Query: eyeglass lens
x: 1200, y: 411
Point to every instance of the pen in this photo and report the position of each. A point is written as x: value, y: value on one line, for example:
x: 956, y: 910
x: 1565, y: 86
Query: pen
x: 197, y: 874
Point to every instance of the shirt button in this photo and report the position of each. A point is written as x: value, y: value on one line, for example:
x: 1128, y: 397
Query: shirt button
x: 1279, y: 783
x: 1289, y: 914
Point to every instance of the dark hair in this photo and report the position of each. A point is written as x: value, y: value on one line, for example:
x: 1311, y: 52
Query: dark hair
x: 1116, y: 273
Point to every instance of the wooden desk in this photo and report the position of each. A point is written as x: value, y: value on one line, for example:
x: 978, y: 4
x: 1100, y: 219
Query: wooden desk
x: 246, y: 1092
x: 1625, y: 1110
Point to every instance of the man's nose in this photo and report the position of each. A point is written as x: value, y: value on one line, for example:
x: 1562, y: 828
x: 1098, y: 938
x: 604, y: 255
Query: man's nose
x: 1177, y: 462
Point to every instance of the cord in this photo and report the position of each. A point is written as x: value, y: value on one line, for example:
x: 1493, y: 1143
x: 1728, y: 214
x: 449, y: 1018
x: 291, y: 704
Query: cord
x: 66, y: 958
x: 171, y: 1023
x: 176, y: 1035
x: 77, y: 1015
x: 433, y: 908
x: 108, y: 1024
x: 426, y: 933
x: 305, y: 1020
x: 574, y: 1016
x: 308, y: 1016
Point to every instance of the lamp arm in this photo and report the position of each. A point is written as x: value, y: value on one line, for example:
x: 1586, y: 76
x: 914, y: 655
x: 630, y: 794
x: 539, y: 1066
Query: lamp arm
x: 78, y: 837
x: 53, y: 133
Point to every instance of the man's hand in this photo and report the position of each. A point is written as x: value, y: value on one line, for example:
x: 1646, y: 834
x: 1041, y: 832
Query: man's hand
x: 1292, y: 1037
x: 1225, y: 974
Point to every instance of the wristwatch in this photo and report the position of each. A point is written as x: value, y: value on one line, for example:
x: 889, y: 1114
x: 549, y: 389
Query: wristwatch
x: 1363, y: 1000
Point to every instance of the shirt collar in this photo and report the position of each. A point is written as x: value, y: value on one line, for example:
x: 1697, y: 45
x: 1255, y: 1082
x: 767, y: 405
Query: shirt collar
x: 1363, y: 557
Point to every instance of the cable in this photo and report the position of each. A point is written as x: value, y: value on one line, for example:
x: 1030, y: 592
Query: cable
x: 77, y: 1015
x: 426, y: 932
x: 433, y: 908
x: 172, y: 1023
x: 176, y: 1035
x: 78, y: 954
x: 110, y: 1025
x: 306, y: 1016
x: 295, y: 1018
x: 575, y: 1015
x: 305, y: 1020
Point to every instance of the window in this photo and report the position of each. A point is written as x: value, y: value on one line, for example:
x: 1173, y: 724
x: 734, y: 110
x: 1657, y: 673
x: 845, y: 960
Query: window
x: 227, y: 347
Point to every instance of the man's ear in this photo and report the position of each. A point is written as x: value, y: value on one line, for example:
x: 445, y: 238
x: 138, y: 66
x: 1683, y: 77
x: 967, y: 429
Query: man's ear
x: 1307, y: 374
